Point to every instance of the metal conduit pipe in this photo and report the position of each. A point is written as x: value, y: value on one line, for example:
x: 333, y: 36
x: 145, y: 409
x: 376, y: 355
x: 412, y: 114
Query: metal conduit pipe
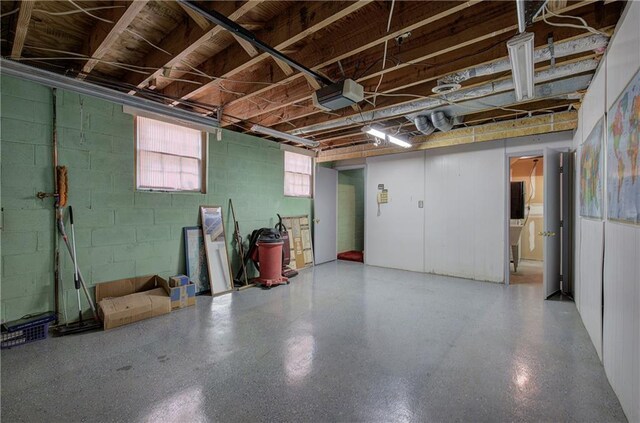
x: 415, y: 108
x: 561, y: 49
x: 51, y: 79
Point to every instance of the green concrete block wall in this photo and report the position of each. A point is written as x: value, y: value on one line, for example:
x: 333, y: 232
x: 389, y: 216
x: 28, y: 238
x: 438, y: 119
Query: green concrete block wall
x: 120, y: 232
x: 351, y: 210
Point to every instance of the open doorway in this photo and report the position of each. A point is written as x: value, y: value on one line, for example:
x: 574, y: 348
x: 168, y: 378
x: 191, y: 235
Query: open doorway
x: 351, y: 215
x: 526, y: 247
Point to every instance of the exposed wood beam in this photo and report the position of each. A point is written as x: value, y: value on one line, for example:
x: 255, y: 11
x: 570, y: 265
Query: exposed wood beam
x: 443, y: 42
x: 287, y: 70
x: 303, y: 114
x: 246, y: 45
x: 557, y: 122
x: 442, y: 36
x: 352, y: 135
x: 368, y: 31
x: 296, y: 23
x: 104, y: 35
x: 22, y: 26
x: 386, y: 103
x: 200, y: 20
x: 184, y: 40
x: 554, y: 105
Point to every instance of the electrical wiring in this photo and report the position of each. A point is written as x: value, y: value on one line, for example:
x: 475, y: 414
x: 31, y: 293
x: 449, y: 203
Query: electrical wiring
x: 121, y: 66
x: 584, y: 25
x: 451, y: 103
x: 386, y: 44
x: 73, y: 12
x: 152, y: 95
x: 196, y: 71
x: 85, y: 11
x: 466, y: 56
x: 10, y: 13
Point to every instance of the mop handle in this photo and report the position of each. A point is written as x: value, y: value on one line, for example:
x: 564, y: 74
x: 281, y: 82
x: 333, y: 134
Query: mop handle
x: 76, y: 281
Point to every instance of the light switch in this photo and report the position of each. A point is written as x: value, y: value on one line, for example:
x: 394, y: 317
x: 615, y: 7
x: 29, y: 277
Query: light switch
x: 420, y: 204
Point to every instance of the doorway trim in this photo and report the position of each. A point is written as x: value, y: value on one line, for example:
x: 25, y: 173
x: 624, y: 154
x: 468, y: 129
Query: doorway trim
x: 507, y: 205
x: 362, y: 166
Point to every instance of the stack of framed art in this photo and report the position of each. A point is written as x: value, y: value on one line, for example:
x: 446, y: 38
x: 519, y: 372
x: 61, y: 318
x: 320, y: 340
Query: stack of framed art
x: 206, y: 258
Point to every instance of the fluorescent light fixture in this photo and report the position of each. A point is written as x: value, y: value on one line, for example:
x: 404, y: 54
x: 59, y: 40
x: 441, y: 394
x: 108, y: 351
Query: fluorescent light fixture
x: 284, y: 136
x: 383, y: 136
x: 375, y: 132
x: 521, y: 57
x: 398, y: 141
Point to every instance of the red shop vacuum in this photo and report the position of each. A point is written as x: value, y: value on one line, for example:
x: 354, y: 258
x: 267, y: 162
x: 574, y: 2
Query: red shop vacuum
x: 267, y: 255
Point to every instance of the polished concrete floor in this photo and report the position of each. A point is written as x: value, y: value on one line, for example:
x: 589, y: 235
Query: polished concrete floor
x: 529, y: 271
x: 343, y: 342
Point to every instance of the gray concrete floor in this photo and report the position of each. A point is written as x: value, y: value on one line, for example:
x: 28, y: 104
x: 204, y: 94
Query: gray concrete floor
x: 343, y: 342
x: 529, y: 271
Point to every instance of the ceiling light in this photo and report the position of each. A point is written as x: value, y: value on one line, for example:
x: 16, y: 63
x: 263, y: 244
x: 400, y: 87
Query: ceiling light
x: 398, y: 141
x: 284, y: 136
x: 375, y: 132
x: 521, y: 57
x: 385, y: 137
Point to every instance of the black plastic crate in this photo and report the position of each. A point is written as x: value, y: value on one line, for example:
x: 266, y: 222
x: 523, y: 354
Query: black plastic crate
x: 25, y: 330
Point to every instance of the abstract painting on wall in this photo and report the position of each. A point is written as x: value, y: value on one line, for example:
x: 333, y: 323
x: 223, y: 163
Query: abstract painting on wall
x: 195, y: 258
x: 591, y: 170
x: 623, y: 161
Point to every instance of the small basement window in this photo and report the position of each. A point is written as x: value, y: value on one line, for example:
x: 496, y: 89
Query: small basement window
x: 298, y: 170
x: 169, y: 157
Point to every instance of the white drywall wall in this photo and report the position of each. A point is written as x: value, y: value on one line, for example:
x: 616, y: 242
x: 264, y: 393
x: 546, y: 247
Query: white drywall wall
x: 464, y: 212
x: 461, y: 230
x: 590, y: 232
x: 620, y: 285
x: 395, y: 237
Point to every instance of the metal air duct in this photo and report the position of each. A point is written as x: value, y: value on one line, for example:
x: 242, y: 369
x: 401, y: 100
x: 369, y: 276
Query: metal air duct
x: 441, y: 121
x: 423, y: 124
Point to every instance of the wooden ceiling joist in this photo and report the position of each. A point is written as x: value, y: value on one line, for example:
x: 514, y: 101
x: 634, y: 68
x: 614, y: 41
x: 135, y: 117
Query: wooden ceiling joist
x: 368, y: 30
x: 516, y: 111
x: 298, y: 22
x: 437, y: 34
x: 22, y: 26
x: 558, y: 122
x: 192, y: 63
x: 104, y: 34
x: 432, y: 46
x: 200, y: 20
x: 185, y: 40
x: 392, y: 103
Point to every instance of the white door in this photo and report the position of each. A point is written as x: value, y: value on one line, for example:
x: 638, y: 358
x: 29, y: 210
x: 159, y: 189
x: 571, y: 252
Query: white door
x: 552, y: 215
x: 325, y: 210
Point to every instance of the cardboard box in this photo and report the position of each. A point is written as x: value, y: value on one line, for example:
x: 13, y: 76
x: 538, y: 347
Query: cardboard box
x: 181, y: 296
x: 178, y: 280
x: 129, y: 300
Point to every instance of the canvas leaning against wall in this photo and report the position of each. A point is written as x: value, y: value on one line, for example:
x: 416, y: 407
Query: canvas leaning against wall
x: 591, y: 170
x: 196, y: 258
x: 623, y: 161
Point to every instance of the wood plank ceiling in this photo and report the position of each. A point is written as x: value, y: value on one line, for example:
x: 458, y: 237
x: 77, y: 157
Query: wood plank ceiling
x: 398, y: 50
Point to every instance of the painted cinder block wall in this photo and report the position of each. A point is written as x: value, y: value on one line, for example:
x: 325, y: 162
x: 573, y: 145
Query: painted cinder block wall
x: 351, y: 210
x: 120, y: 232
